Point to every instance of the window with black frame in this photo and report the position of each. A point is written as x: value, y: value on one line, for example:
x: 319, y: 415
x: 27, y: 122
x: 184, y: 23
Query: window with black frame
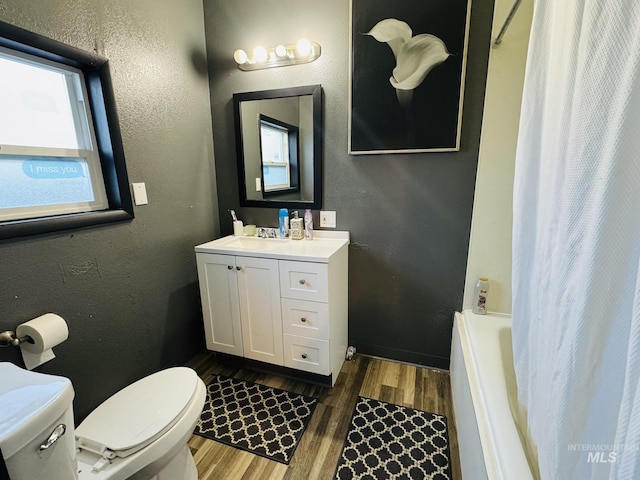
x: 61, y: 157
x: 279, y: 156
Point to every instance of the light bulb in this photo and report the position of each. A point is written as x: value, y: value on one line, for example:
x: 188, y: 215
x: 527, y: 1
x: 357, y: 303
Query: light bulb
x: 281, y: 51
x: 304, y: 48
x: 260, y: 54
x: 240, y: 56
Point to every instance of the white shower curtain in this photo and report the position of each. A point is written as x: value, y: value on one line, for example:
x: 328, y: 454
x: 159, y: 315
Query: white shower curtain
x: 576, y: 240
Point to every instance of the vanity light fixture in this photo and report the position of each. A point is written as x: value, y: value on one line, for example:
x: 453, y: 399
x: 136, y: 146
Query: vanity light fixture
x: 304, y: 51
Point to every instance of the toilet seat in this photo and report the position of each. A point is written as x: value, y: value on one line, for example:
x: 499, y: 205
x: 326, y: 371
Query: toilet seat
x: 139, y: 414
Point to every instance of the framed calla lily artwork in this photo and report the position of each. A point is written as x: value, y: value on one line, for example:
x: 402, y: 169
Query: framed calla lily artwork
x: 408, y: 60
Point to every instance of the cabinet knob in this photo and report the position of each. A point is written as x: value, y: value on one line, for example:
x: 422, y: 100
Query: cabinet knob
x: 303, y: 319
x: 302, y: 281
x: 304, y: 355
x: 238, y: 268
x: 229, y: 267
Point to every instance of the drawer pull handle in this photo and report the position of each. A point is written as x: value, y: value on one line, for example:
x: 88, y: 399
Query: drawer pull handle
x: 304, y: 356
x: 303, y: 319
x: 302, y: 282
x: 229, y: 267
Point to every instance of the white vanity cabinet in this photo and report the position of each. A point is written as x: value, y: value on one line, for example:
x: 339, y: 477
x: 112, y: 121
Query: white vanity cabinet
x: 283, y: 302
x: 241, y: 305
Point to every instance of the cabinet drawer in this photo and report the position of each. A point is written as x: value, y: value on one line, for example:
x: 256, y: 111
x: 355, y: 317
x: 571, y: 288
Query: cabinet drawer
x: 306, y: 319
x: 304, y: 281
x: 308, y: 354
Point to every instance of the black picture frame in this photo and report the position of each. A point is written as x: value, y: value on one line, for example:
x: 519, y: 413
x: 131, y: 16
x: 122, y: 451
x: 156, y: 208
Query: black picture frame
x: 425, y: 39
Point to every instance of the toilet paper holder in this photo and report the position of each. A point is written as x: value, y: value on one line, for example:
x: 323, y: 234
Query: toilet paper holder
x: 8, y: 339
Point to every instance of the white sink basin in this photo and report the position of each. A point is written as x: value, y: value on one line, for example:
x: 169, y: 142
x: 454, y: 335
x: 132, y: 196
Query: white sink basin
x: 252, y: 243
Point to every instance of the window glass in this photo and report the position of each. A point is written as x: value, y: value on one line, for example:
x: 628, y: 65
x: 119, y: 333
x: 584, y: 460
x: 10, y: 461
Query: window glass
x: 275, y: 144
x: 36, y: 107
x: 275, y: 176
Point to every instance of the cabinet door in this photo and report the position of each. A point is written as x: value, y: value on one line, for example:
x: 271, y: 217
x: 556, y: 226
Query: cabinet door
x: 260, y: 312
x: 220, y: 305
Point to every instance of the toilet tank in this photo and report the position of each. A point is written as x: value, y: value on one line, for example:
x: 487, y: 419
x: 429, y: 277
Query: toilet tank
x: 33, y: 406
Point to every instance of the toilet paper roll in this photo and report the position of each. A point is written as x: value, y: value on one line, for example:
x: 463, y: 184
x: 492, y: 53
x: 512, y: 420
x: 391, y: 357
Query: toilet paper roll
x: 46, y: 331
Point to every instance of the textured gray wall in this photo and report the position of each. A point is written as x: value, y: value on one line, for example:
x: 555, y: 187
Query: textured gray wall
x: 409, y: 215
x: 128, y: 291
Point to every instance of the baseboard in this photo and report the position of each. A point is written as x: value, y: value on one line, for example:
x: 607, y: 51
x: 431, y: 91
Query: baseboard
x: 403, y: 356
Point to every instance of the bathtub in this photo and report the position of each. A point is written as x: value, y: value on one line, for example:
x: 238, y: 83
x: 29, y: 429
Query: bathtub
x: 491, y: 442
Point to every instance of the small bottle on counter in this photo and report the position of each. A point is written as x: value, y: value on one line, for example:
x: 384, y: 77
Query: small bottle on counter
x: 296, y: 228
x: 308, y: 225
x: 480, y: 296
x: 238, y: 229
x: 283, y: 219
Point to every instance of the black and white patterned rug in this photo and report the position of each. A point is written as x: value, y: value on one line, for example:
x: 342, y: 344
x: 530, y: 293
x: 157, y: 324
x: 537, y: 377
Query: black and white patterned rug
x: 387, y: 441
x: 262, y: 420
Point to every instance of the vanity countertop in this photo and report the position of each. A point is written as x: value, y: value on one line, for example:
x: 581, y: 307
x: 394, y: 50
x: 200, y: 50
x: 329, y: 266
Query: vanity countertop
x: 320, y: 249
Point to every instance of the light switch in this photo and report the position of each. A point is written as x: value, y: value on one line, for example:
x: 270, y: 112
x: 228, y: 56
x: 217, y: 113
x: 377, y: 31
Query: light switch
x: 139, y: 194
x: 327, y: 218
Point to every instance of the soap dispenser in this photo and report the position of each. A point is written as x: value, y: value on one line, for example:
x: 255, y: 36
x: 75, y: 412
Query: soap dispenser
x: 297, y: 227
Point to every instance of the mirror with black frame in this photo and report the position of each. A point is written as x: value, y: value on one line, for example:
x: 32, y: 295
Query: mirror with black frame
x: 279, y: 147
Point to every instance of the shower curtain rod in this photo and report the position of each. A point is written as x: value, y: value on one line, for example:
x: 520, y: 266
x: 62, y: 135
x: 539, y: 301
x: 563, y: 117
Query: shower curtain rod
x: 512, y: 12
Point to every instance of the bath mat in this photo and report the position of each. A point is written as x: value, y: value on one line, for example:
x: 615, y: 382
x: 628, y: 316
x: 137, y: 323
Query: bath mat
x: 387, y: 441
x: 262, y: 420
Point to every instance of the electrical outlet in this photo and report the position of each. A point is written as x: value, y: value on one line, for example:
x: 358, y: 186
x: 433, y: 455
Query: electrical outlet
x: 327, y: 219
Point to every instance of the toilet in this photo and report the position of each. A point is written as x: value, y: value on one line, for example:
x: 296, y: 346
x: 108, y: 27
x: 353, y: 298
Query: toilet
x: 140, y: 433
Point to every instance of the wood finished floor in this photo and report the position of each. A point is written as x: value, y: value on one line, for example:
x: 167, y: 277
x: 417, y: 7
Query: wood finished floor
x: 319, y: 450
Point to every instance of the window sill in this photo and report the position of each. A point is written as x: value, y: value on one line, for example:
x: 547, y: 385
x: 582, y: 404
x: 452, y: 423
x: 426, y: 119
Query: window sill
x: 21, y: 228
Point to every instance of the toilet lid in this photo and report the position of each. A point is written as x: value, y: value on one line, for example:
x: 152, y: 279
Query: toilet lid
x: 137, y: 415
